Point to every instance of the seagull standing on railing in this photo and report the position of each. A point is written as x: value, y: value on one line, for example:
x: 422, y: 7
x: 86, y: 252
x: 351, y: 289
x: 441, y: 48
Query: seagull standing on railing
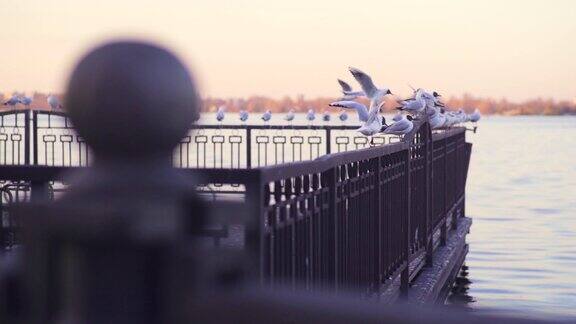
x: 475, y: 116
x: 436, y: 118
x: 401, y: 127
x: 436, y: 99
x: 451, y: 119
x: 326, y: 116
x: 26, y: 101
x: 376, y: 95
x: 360, y: 108
x: 413, y: 106
x: 220, y: 113
x: 13, y: 101
x: 310, y: 115
x: 343, y: 116
x: 349, y: 93
x: 53, y: 102
x: 243, y: 115
x: 267, y: 116
x: 290, y: 115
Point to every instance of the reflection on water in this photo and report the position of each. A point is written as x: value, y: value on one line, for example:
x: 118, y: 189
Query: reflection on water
x: 520, y: 194
x: 459, y: 296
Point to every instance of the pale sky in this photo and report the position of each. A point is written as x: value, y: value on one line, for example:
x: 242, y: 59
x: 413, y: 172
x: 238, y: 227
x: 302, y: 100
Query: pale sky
x: 494, y: 48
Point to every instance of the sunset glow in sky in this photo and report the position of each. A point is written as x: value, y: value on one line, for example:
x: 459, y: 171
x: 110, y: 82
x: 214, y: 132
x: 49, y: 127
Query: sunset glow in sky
x: 493, y: 48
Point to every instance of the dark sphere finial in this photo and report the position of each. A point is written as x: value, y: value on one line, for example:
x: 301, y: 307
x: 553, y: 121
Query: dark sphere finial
x: 131, y: 100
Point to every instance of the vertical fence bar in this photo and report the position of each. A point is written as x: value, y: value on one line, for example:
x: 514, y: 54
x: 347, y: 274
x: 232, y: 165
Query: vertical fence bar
x: 378, y: 226
x: 38, y: 191
x: 27, y: 137
x: 35, y: 136
x: 444, y: 228
x: 328, y: 140
x: 248, y: 147
x: 255, y: 229
x: 405, y: 275
x: 330, y: 182
x: 429, y: 176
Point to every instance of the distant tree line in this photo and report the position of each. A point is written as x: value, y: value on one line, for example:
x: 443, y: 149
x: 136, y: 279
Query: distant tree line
x: 467, y: 102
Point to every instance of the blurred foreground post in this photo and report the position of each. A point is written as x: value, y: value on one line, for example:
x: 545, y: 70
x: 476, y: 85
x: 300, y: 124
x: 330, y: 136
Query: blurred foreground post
x: 114, y: 247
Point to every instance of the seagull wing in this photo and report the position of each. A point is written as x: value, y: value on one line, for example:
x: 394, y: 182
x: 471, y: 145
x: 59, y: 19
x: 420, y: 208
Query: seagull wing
x: 398, y: 127
x: 365, y: 81
x: 360, y: 108
x: 374, y: 110
x: 344, y: 85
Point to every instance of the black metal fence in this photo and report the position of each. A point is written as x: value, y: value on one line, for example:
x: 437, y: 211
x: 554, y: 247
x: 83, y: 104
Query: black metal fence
x: 351, y: 221
x: 356, y: 220
x: 48, y: 138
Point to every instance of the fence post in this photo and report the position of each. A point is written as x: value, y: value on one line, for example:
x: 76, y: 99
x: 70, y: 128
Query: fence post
x: 248, y: 147
x: 254, y: 239
x: 405, y: 275
x: 378, y: 250
x: 35, y: 137
x: 38, y: 191
x: 429, y: 245
x: 328, y: 140
x: 444, y: 228
x: 27, y: 137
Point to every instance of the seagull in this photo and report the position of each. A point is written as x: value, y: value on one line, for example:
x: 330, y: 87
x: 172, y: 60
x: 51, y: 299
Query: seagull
x: 451, y: 119
x: 397, y: 117
x: 375, y: 121
x: 267, y: 116
x: 436, y: 118
x: 290, y: 115
x: 13, y: 101
x: 26, y: 101
x: 243, y: 115
x: 349, y: 93
x: 343, y: 116
x: 310, y: 116
x: 326, y: 116
x: 375, y: 95
x: 220, y: 113
x: 401, y: 127
x: 475, y: 116
x: 461, y: 117
x: 53, y: 102
x: 437, y: 102
x: 360, y: 108
x: 431, y: 99
x: 414, y: 105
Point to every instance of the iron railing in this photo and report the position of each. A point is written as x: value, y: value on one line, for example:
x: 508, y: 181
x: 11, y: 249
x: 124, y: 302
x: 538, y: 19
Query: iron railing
x: 48, y: 138
x: 355, y: 221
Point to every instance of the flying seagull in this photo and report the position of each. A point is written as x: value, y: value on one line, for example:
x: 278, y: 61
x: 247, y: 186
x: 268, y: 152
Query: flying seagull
x: 349, y: 93
x: 376, y: 95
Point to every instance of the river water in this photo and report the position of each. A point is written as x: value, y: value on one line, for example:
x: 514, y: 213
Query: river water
x: 520, y: 195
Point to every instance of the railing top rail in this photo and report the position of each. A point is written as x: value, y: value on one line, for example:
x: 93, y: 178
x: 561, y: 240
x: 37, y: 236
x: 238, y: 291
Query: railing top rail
x: 51, y: 112
x: 283, y: 127
x: 448, y: 133
x: 323, y: 163
x: 12, y: 112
